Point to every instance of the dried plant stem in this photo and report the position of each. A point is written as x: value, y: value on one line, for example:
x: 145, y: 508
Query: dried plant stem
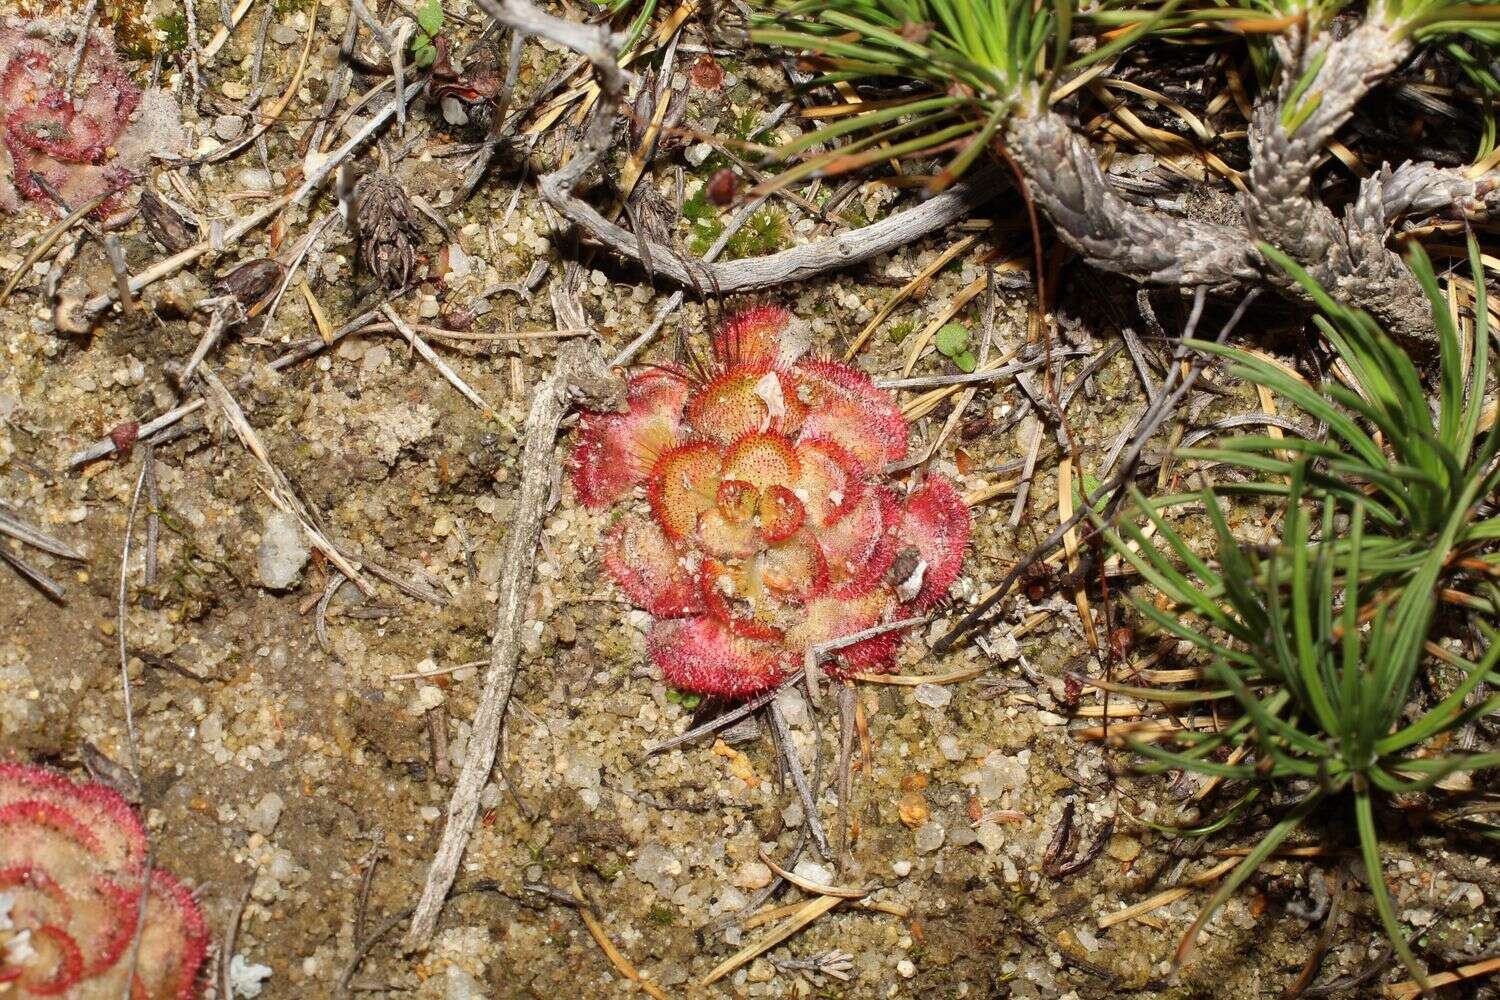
x: 279, y: 489
x: 751, y: 274
x: 799, y: 778
x: 575, y: 368
x: 444, y: 369
x: 171, y: 265
x: 1112, y: 488
x: 106, y: 446
x: 80, y: 47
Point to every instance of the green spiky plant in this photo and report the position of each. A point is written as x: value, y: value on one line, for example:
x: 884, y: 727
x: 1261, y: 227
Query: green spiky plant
x: 1420, y: 477
x: 985, y: 62
x: 1320, y: 639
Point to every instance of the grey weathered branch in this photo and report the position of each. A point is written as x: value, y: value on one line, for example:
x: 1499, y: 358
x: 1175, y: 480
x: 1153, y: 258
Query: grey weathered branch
x: 754, y: 274
x: 579, y: 370
x: 1424, y: 189
x: 1328, y: 77
x: 1280, y: 207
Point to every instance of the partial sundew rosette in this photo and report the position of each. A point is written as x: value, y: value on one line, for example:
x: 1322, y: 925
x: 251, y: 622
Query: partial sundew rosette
x: 768, y: 525
x: 72, y: 870
x: 69, y: 141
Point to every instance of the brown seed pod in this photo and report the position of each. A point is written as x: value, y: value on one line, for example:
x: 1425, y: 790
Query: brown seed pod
x: 253, y: 281
x: 707, y: 73
x: 723, y: 187
x: 124, y: 436
x: 165, y: 224
x: 386, y: 228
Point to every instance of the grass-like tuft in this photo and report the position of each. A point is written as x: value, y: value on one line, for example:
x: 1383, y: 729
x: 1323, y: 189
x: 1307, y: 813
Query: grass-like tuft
x: 1320, y: 638
x: 981, y: 61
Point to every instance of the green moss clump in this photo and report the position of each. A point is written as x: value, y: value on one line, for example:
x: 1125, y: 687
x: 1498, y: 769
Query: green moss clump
x: 174, y: 27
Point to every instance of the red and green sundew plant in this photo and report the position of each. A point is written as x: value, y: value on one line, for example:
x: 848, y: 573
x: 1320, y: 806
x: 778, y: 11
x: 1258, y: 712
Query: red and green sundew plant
x: 769, y: 526
x: 72, y: 869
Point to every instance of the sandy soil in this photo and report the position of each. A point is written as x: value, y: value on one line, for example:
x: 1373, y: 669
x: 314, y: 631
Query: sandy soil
x: 278, y: 770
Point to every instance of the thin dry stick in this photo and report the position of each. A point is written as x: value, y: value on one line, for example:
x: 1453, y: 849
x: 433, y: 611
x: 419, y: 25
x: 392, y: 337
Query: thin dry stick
x: 424, y: 349
x: 799, y: 779
x: 1111, y: 488
x: 616, y: 957
x: 89, y: 13
x: 576, y: 368
x: 814, y: 909
x: 107, y: 446
x: 171, y: 265
x: 279, y: 490
x: 752, y: 274
x: 133, y: 742
x: 26, y: 532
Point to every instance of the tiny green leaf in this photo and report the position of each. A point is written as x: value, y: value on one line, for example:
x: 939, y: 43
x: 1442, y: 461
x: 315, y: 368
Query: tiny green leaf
x: 966, y: 361
x: 430, y: 17
x: 425, y: 56
x: 952, y: 340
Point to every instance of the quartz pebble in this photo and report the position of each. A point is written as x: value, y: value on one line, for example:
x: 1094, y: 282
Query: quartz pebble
x: 933, y: 695
x: 266, y: 814
x: 282, y: 552
x: 752, y: 875
x: 930, y: 837
x: 229, y: 127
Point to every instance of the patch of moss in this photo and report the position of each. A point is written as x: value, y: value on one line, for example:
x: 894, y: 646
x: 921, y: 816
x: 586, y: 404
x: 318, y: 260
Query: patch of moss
x: 765, y: 232
x: 661, y: 915
x: 174, y: 27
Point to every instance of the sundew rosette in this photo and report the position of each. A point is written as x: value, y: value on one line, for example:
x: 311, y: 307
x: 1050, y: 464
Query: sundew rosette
x: 72, y: 869
x: 755, y: 518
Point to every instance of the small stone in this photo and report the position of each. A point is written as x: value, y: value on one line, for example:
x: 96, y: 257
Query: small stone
x: 265, y: 815
x: 582, y: 771
x: 284, y: 34
x: 913, y: 809
x: 761, y: 971
x: 905, y: 969
x: 234, y: 90
x: 948, y: 746
x: 247, y: 978
x: 991, y: 837
x: 1123, y: 848
x: 901, y: 868
x: 933, y: 695
x: 428, y: 307
x: 657, y: 867
x: 254, y: 178
x: 962, y: 836
x: 282, y: 552
x: 229, y: 127
x: 752, y: 875
x: 930, y: 837
x: 460, y: 985
x: 697, y: 153
x: 793, y: 707
x: 813, y: 872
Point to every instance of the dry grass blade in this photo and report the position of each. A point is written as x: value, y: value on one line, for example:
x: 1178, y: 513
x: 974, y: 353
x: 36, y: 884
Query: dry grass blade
x: 1409, y: 989
x: 810, y: 911
x: 616, y: 958
x: 808, y: 885
x: 279, y: 490
x: 922, y: 279
x: 17, y: 528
